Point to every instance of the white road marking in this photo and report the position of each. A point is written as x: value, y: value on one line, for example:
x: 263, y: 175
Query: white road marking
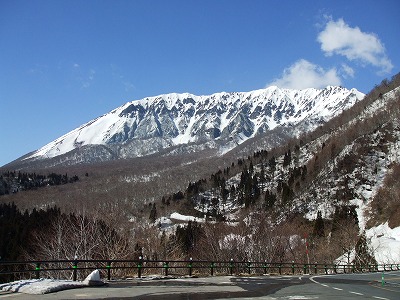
x: 313, y: 280
x: 301, y: 297
x: 355, y: 293
x: 339, y: 289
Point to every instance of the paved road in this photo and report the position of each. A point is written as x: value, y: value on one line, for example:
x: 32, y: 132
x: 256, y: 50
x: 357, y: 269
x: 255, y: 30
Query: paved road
x: 345, y: 286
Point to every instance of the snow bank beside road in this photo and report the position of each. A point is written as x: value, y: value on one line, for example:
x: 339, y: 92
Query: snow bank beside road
x: 45, y: 286
x: 385, y: 243
x: 40, y: 286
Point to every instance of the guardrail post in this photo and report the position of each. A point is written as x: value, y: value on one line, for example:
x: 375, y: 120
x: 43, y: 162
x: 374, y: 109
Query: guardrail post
x: 139, y: 266
x: 74, y: 270
x: 166, y: 268
x: 231, y: 265
x: 108, y: 266
x: 37, y: 270
x: 190, y: 266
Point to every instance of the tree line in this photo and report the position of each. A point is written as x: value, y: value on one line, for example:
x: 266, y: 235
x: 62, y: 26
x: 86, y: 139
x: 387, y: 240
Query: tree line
x: 12, y: 182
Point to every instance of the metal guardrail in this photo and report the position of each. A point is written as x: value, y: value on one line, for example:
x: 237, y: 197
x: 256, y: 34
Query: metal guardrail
x: 182, y: 267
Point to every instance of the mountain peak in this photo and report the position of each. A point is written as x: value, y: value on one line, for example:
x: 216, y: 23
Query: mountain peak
x: 146, y: 126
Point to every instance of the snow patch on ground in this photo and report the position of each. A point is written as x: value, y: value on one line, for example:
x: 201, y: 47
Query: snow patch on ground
x: 45, y: 286
x: 385, y: 243
x: 179, y: 217
x: 139, y: 178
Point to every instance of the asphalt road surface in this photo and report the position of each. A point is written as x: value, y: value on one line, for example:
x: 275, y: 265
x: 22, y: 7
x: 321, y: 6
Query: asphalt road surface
x: 341, y: 286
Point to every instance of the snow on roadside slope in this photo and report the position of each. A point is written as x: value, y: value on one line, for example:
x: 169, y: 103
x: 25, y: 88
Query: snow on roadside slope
x: 45, y: 286
x: 385, y: 243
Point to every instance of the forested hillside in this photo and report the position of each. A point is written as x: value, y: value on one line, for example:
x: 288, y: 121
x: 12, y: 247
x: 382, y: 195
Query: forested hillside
x: 13, y: 182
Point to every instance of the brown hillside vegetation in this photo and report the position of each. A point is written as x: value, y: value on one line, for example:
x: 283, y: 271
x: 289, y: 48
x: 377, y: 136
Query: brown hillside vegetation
x: 386, y: 203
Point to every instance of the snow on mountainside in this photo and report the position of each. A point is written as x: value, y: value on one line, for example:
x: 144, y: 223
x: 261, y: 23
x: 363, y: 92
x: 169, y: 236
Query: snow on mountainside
x: 149, y: 125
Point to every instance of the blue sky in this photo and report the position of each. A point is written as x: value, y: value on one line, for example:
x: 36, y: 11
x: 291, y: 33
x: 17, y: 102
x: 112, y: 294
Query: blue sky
x: 63, y: 63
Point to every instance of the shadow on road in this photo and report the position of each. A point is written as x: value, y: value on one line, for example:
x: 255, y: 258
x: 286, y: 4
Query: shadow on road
x: 237, y: 287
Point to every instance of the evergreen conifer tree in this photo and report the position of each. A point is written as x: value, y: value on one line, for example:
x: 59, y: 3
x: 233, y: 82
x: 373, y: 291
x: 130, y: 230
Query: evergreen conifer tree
x: 269, y: 200
x: 363, y: 257
x: 153, y: 213
x: 319, y: 227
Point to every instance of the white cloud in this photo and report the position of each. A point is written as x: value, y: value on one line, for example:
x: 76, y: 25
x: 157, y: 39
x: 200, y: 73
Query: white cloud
x: 117, y: 74
x: 91, y: 74
x: 128, y: 85
x: 87, y: 80
x: 38, y: 69
x: 339, y: 38
x: 304, y: 74
x: 347, y: 71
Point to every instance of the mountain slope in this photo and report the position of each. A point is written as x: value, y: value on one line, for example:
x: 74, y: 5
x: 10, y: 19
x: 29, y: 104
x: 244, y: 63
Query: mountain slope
x: 220, y: 121
x: 346, y: 172
x: 346, y: 163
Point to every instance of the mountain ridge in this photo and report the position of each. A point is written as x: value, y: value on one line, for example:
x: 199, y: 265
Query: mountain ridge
x: 221, y: 120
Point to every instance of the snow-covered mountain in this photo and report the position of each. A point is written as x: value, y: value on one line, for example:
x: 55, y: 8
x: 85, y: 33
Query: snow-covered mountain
x: 221, y: 121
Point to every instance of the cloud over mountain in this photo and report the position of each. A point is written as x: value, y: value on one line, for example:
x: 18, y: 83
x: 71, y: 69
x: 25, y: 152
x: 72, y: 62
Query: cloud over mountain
x: 341, y: 39
x: 304, y: 74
